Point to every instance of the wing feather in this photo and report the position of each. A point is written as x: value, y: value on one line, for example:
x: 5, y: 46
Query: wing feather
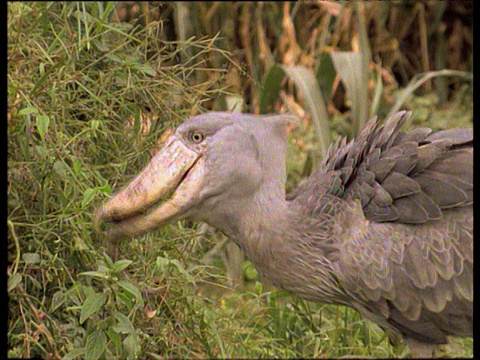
x: 422, y: 171
x: 406, y: 231
x: 423, y: 271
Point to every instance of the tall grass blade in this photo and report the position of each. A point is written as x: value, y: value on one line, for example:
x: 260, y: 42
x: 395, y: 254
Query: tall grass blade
x: 350, y: 68
x: 308, y: 86
x: 270, y: 88
x: 377, y: 96
x: 420, y: 79
x: 326, y: 74
x: 364, y: 43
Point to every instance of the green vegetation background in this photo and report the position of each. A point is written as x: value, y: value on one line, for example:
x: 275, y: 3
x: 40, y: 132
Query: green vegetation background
x: 91, y: 88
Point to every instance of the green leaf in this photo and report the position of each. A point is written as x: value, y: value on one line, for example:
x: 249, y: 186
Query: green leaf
x: 28, y: 110
x: 13, y: 281
x: 146, y: 69
x: 132, y: 289
x: 31, y: 258
x: 326, y: 74
x: 121, y: 265
x: 80, y: 243
x: 162, y: 263
x: 365, y: 50
x: 305, y: 81
x: 86, y: 291
x: 258, y: 288
x: 92, y: 304
x: 75, y: 353
x: 249, y: 271
x: 42, y: 151
x: 42, y: 125
x: 88, y: 196
x: 132, y: 346
x: 108, y: 260
x: 181, y: 269
x: 115, y: 58
x: 377, y: 96
x: 61, y: 169
x: 96, y: 274
x: 95, y: 124
x: 124, y: 298
x: 78, y: 168
x: 124, y: 325
x: 58, y: 299
x: 95, y: 345
x: 349, y: 66
x: 106, y: 189
x: 308, y: 86
x: 115, y: 338
x: 270, y: 88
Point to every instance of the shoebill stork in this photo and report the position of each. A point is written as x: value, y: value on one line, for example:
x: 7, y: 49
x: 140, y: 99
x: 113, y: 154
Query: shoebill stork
x: 384, y: 225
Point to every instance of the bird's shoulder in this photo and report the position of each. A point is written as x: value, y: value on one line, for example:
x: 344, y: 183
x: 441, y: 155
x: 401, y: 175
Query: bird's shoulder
x: 398, y: 176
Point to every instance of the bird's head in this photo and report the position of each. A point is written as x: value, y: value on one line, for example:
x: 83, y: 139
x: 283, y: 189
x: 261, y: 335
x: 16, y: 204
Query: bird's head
x: 212, y: 163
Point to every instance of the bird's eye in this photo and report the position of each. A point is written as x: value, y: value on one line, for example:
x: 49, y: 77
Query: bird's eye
x: 197, y: 136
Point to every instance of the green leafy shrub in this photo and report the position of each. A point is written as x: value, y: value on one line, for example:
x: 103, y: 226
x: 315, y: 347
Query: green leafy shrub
x: 87, y: 99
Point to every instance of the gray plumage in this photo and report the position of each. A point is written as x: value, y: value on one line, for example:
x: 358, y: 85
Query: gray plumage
x: 384, y: 225
x: 405, y: 258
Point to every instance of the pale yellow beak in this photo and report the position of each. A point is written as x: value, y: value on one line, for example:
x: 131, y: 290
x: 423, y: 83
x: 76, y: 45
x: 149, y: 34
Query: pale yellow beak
x: 163, y: 191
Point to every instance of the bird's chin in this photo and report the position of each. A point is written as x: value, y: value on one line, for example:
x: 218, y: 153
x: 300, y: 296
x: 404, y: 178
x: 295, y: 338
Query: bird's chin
x: 163, y: 192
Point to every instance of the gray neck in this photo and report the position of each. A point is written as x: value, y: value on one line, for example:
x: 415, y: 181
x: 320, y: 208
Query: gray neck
x: 266, y: 223
x: 282, y: 243
x: 263, y: 227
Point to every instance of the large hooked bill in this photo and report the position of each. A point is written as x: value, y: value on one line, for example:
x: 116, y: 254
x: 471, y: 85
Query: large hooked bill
x: 162, y: 192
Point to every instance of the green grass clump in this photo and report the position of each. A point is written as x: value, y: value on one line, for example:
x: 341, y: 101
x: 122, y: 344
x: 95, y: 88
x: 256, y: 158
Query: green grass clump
x: 87, y: 99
